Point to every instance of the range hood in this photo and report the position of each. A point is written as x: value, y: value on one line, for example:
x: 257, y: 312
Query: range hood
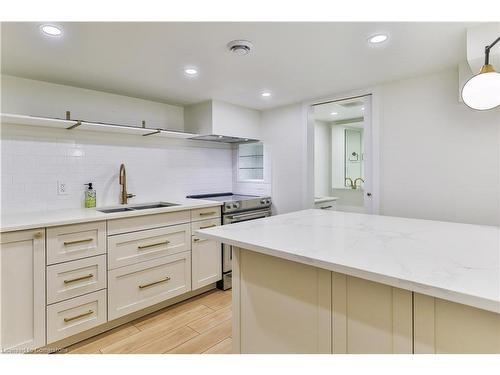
x: 218, y: 121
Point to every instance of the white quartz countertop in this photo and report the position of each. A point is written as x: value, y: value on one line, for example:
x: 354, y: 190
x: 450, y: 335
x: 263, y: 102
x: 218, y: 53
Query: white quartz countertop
x: 455, y: 262
x: 49, y: 218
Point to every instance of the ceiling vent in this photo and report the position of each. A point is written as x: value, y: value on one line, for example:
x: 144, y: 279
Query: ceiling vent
x: 240, y: 47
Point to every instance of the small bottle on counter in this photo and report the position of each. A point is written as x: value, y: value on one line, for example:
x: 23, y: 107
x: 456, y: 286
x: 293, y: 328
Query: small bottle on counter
x: 90, y: 196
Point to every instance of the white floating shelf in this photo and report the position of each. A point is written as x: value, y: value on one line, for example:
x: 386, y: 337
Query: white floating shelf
x: 8, y: 118
x: 74, y: 125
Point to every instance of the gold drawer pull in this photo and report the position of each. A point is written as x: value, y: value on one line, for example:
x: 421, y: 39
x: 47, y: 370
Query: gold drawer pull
x: 154, y: 283
x: 89, y: 276
x: 196, y: 239
x: 208, y: 226
x: 207, y: 213
x: 153, y: 244
x: 90, y: 312
x: 66, y: 243
x: 38, y: 235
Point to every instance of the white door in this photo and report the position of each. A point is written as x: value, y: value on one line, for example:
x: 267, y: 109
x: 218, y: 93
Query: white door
x: 22, y: 288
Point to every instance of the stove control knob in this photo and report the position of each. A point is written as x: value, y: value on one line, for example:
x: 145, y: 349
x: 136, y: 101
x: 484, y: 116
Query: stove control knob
x: 228, y: 206
x: 268, y: 201
x: 236, y: 205
x: 262, y: 201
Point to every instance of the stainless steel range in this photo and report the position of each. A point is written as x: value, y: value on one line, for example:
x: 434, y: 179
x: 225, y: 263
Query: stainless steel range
x: 236, y: 208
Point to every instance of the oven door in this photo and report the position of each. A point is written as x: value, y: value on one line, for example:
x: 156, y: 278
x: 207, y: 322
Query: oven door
x: 227, y: 251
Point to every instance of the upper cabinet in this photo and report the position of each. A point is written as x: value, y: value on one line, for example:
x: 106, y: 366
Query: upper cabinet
x: 212, y: 119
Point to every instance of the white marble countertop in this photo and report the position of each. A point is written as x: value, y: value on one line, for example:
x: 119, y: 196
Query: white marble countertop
x: 455, y: 262
x: 325, y: 199
x: 40, y: 219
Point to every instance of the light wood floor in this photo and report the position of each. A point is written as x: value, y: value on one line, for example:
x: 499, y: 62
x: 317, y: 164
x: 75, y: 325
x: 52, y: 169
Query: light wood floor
x: 198, y: 325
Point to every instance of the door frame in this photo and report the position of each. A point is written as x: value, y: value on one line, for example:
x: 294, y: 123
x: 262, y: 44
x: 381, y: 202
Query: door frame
x: 372, y: 137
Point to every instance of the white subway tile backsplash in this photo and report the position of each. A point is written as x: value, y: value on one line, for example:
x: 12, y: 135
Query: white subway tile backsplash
x: 32, y: 166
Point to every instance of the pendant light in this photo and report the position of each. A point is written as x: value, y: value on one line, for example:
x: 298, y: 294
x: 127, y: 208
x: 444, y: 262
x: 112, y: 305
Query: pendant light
x: 482, y: 92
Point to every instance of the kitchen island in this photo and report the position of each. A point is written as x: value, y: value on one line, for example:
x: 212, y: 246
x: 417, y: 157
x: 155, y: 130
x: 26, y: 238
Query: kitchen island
x: 318, y: 281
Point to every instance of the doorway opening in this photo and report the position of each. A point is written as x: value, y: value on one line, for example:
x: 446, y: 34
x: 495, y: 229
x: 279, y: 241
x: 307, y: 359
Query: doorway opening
x: 343, y: 154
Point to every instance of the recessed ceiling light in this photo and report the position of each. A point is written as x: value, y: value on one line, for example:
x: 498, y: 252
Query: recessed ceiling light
x: 191, y: 71
x: 379, y: 38
x: 266, y: 94
x: 334, y: 113
x: 51, y: 30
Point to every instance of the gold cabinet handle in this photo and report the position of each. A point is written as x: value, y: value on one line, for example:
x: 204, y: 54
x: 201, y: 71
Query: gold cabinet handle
x: 153, y: 244
x: 208, y: 226
x: 154, y: 283
x: 207, y: 213
x: 196, y: 239
x: 38, y: 235
x: 66, y: 243
x: 89, y: 276
x: 90, y: 312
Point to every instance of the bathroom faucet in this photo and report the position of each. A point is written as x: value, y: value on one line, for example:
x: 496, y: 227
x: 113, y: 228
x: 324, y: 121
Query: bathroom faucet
x: 355, y: 182
x: 124, y: 196
x: 351, y: 185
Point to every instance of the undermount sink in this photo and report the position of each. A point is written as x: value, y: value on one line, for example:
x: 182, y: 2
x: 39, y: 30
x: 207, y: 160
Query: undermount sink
x: 145, y: 206
x: 153, y: 205
x: 112, y: 210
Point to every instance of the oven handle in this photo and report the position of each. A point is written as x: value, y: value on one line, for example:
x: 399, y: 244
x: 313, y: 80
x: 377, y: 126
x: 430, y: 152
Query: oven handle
x: 257, y: 215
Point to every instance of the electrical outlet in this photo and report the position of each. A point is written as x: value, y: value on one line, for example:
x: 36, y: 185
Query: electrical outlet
x: 62, y: 188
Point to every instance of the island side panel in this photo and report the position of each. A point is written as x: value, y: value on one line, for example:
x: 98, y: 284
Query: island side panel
x: 280, y: 306
x: 369, y: 317
x: 447, y: 327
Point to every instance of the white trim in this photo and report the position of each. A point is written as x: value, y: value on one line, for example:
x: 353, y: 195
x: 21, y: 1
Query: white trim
x: 308, y: 144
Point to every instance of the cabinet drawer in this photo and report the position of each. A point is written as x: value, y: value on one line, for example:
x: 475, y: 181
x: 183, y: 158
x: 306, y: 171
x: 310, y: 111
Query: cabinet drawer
x: 72, y: 279
x: 205, y: 213
x: 331, y: 205
x: 137, y: 223
x: 131, y: 248
x: 76, y: 315
x: 135, y: 287
x: 203, y: 224
x: 76, y: 241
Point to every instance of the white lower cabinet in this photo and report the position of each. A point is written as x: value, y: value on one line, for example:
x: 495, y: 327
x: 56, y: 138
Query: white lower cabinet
x: 206, y: 256
x: 22, y: 269
x: 72, y: 279
x: 132, y: 288
x: 75, y: 315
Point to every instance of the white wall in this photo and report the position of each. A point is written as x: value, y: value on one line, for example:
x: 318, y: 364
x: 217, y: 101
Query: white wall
x: 322, y: 159
x: 33, y: 161
x: 37, y: 98
x: 439, y: 159
x: 283, y: 133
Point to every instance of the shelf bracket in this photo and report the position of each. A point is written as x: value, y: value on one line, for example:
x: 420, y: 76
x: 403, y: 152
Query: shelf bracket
x: 78, y: 123
x: 157, y: 131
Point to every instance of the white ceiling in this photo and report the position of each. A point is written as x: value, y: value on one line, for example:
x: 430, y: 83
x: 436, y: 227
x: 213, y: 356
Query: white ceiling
x: 295, y: 61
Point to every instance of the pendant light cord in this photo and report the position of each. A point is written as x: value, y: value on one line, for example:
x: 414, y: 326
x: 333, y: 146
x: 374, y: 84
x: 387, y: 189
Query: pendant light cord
x: 487, y: 51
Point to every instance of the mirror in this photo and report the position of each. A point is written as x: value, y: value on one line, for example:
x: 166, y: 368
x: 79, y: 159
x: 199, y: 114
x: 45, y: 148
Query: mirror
x: 339, y: 170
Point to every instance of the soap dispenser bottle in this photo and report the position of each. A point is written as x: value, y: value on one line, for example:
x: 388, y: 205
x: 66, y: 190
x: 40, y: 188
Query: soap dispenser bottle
x: 90, y: 196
